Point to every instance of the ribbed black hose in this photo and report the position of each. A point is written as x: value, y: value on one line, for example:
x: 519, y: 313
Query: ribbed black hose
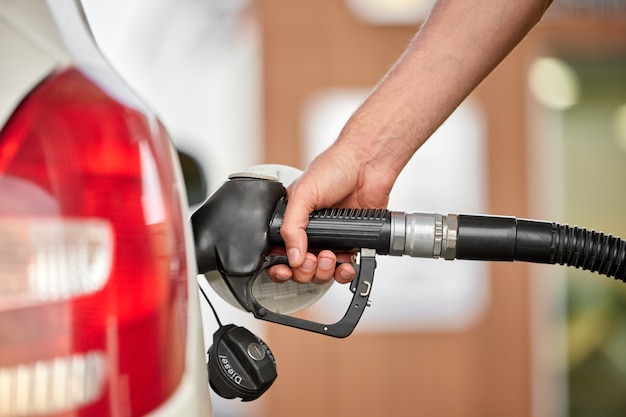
x: 591, y: 250
x: 510, y: 239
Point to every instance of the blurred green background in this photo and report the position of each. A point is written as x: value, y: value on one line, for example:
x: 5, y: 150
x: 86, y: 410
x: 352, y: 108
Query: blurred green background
x: 595, y: 174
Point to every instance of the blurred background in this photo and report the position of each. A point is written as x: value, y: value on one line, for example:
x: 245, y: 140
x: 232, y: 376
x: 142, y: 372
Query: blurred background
x: 241, y: 82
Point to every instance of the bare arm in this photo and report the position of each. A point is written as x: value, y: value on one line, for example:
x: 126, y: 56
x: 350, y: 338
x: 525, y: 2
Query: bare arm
x: 460, y: 43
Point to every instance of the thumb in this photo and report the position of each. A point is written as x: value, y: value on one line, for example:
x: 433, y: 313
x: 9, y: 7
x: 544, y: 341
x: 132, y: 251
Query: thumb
x: 293, y: 231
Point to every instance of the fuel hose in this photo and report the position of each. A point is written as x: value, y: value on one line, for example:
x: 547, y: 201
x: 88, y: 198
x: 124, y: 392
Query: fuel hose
x: 452, y: 236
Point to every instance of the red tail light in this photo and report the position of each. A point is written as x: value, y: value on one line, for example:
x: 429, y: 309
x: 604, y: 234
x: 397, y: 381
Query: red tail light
x: 92, y: 256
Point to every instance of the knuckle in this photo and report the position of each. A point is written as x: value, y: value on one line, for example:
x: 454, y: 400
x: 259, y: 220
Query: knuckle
x: 301, y: 277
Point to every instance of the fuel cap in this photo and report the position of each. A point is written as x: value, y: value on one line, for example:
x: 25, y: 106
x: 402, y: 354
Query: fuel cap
x: 240, y: 364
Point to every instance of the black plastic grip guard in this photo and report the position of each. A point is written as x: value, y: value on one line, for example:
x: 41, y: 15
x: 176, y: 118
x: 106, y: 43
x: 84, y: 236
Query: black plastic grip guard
x: 361, y: 288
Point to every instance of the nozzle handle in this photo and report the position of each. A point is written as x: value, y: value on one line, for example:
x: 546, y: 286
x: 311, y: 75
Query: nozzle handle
x: 346, y: 230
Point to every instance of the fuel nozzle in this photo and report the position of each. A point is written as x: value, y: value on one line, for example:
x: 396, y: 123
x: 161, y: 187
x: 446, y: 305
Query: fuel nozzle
x: 236, y: 228
x: 395, y: 233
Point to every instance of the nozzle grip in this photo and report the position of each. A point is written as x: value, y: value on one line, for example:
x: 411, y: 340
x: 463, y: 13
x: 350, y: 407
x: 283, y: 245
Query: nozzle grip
x: 346, y: 230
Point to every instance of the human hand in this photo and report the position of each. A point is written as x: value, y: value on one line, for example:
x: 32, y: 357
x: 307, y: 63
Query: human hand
x: 339, y: 177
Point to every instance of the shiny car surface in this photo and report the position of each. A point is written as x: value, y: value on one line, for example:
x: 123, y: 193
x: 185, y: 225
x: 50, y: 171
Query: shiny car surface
x: 99, y: 313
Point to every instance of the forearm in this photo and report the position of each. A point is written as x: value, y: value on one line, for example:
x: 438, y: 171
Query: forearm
x: 460, y: 43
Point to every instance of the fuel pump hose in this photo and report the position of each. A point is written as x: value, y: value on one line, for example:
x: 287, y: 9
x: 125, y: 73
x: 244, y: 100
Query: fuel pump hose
x: 472, y: 237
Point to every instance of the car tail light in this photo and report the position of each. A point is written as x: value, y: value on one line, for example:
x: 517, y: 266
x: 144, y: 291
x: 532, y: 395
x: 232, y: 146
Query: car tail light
x: 92, y: 256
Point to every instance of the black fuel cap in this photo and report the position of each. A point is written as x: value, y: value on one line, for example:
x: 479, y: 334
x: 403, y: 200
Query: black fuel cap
x: 240, y: 364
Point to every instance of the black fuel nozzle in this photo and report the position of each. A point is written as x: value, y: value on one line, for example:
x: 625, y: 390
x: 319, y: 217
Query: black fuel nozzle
x: 232, y: 235
x: 236, y: 227
x: 230, y: 229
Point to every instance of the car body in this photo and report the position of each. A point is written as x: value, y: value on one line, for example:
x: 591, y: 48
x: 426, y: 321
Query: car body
x: 99, y: 311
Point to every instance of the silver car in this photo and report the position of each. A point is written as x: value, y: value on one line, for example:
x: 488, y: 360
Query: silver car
x: 99, y: 312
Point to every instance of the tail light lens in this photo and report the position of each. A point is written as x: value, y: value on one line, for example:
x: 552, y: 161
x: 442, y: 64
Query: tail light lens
x: 92, y: 256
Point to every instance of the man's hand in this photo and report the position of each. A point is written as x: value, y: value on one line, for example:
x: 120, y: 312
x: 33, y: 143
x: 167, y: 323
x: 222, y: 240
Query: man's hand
x: 335, y: 179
